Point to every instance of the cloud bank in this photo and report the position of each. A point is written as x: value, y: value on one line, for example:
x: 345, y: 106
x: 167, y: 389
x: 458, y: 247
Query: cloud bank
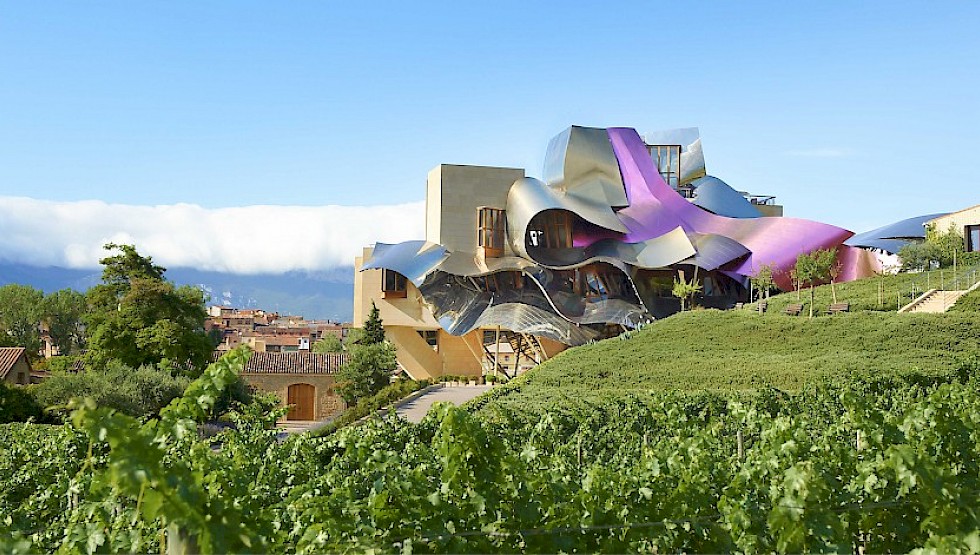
x: 245, y: 240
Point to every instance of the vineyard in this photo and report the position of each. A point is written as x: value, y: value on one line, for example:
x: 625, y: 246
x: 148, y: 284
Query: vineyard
x: 732, y: 354
x: 802, y: 460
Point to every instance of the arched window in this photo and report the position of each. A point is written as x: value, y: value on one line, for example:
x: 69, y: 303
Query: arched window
x: 551, y: 229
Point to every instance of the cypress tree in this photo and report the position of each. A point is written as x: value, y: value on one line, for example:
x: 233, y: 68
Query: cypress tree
x: 374, y: 331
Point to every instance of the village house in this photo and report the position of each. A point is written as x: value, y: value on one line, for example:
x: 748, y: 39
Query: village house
x: 14, y: 366
x: 303, y: 380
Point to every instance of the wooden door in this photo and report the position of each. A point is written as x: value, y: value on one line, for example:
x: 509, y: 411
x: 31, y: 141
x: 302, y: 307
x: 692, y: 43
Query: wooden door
x: 302, y: 397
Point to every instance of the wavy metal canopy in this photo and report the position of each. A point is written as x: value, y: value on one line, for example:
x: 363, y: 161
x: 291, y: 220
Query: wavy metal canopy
x: 894, y: 236
x: 604, y: 183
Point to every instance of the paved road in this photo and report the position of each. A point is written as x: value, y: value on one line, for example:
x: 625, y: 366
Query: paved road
x: 415, y: 410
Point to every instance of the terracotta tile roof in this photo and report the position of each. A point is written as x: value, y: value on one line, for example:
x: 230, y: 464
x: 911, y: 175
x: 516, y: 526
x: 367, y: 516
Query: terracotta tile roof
x: 293, y: 363
x: 287, y: 340
x: 8, y: 358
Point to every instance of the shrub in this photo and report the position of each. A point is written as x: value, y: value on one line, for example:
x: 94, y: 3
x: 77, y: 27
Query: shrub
x: 18, y: 405
x: 967, y: 303
x: 137, y: 392
x: 367, y: 371
x: 369, y: 405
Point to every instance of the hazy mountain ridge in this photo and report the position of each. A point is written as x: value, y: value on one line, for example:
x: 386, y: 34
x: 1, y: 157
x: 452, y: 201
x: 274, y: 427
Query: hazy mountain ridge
x: 322, y: 295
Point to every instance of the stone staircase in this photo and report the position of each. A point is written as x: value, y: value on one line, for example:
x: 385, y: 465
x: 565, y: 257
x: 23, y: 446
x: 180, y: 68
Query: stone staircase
x: 935, y: 301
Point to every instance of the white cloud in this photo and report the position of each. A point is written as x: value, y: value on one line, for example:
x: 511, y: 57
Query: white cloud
x: 250, y: 239
x: 820, y: 153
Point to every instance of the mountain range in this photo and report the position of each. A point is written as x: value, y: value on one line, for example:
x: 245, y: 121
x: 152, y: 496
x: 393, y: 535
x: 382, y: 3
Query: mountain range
x: 326, y: 295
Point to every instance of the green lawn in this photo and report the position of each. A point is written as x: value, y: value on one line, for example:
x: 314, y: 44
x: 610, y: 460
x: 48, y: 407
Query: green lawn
x: 967, y: 304
x: 742, y: 351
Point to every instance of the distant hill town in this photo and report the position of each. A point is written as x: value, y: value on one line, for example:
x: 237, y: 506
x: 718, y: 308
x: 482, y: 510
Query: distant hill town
x: 268, y: 332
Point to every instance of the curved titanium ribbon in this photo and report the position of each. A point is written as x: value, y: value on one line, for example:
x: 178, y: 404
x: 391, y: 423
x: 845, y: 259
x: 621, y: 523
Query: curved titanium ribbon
x: 626, y: 223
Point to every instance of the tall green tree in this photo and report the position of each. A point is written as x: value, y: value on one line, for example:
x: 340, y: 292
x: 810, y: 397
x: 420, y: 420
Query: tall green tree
x: 374, y: 331
x: 20, y: 317
x: 63, y: 312
x: 371, y: 364
x: 138, y: 317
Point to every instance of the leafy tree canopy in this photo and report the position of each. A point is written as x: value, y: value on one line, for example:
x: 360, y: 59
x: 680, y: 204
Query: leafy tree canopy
x: 329, y: 343
x: 63, y: 312
x: 367, y: 372
x: 814, y: 268
x: 138, y: 317
x: 371, y: 364
x: 20, y: 317
x: 764, y: 280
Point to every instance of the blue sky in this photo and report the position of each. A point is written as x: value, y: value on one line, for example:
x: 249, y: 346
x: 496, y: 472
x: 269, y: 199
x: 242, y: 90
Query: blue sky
x: 856, y: 114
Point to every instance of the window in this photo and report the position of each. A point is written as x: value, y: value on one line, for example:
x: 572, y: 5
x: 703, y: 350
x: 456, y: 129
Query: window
x: 431, y: 337
x: 668, y: 160
x: 501, y: 281
x: 972, y: 234
x: 599, y: 282
x: 552, y: 230
x: 393, y: 285
x: 490, y: 234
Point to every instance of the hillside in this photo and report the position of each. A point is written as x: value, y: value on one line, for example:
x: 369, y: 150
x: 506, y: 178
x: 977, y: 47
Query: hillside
x: 969, y: 303
x: 742, y: 351
x: 886, y: 293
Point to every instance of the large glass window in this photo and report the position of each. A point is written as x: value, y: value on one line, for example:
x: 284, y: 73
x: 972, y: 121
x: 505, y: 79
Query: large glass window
x: 599, y: 282
x: 501, y: 281
x: 972, y: 238
x: 668, y: 160
x: 552, y: 230
x: 490, y: 234
x: 393, y: 285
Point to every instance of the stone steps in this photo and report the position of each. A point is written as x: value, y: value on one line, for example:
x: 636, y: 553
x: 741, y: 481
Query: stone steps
x: 934, y: 301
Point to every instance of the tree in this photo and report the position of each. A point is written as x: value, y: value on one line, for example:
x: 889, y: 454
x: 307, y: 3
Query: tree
x: 917, y: 257
x: 139, y: 318
x: 828, y: 261
x: 763, y: 280
x: 374, y: 331
x: 796, y: 282
x: 940, y: 248
x: 949, y: 244
x: 684, y: 290
x: 329, y: 343
x: 355, y: 336
x: 372, y: 362
x: 20, y: 317
x: 813, y: 268
x: 63, y: 312
x: 367, y: 371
